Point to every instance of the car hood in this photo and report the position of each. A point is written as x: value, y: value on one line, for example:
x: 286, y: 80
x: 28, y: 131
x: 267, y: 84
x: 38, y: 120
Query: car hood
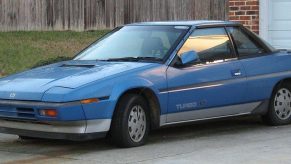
x: 30, y: 85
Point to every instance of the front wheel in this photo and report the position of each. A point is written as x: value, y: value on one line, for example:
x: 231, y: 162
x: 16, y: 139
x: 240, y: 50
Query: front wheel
x: 130, y: 124
x: 279, y: 112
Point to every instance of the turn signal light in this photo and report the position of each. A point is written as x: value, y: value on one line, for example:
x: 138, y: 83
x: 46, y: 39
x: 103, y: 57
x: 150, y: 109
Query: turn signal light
x: 48, y: 112
x: 88, y: 101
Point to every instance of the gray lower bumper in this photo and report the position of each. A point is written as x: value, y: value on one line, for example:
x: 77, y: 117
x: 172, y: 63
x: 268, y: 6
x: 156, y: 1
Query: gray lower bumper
x: 71, y: 130
x: 51, y: 135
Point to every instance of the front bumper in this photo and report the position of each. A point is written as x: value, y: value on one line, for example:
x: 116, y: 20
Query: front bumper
x: 69, y: 130
x: 72, y: 122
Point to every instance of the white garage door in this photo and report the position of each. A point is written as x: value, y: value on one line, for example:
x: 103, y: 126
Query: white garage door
x: 279, y: 31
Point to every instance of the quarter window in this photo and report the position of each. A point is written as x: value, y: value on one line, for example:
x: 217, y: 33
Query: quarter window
x: 211, y: 44
x: 244, y: 44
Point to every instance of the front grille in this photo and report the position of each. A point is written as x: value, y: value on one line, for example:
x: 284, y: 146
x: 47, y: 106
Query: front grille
x: 17, y: 113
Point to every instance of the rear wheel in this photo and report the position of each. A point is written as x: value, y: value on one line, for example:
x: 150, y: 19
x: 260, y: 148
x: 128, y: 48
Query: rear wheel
x: 279, y: 112
x: 130, y: 124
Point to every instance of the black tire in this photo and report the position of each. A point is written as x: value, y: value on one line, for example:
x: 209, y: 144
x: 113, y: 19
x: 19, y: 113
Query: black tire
x: 26, y: 138
x: 272, y: 116
x: 120, y: 129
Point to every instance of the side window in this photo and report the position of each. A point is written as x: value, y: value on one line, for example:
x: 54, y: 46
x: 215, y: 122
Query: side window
x: 211, y: 44
x: 244, y: 44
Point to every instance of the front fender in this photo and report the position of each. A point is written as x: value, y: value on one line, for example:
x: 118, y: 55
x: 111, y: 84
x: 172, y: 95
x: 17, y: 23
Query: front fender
x: 121, y: 88
x: 105, y: 108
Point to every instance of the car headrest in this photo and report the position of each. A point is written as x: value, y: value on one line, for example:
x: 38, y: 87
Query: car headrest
x: 152, y: 45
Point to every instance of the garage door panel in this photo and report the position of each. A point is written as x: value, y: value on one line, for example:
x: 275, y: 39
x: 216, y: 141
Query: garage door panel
x: 279, y: 33
x: 280, y: 25
x: 280, y: 39
x: 281, y: 44
x: 279, y: 8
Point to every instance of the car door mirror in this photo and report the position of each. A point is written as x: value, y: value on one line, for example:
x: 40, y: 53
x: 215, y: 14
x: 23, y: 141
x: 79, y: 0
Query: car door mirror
x: 189, y: 57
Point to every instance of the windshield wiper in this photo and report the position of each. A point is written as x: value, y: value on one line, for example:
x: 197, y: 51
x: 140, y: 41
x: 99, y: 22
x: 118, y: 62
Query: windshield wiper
x: 150, y: 58
x: 122, y: 59
x: 135, y: 59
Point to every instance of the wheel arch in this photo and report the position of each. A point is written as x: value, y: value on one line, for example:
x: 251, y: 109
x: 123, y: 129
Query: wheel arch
x: 282, y: 81
x: 152, y: 100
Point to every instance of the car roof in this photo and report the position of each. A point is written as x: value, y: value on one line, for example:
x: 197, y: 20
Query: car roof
x: 187, y: 23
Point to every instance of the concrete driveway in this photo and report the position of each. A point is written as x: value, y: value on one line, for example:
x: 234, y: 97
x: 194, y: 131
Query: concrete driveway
x: 236, y: 140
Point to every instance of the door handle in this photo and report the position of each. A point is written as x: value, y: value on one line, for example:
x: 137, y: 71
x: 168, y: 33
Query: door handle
x: 236, y: 72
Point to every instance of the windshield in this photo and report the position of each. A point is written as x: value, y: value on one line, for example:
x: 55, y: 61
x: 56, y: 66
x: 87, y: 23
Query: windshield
x: 135, y: 42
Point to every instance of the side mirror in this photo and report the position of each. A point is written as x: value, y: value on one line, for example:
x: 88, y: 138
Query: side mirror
x: 189, y: 57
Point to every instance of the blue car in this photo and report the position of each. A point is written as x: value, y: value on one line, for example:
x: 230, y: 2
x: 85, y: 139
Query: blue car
x: 144, y: 76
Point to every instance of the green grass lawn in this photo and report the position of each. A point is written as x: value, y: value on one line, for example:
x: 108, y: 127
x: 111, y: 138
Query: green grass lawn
x: 22, y: 50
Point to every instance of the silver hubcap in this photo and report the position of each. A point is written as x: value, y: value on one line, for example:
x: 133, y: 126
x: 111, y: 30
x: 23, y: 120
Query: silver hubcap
x: 282, y: 104
x: 137, y: 123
